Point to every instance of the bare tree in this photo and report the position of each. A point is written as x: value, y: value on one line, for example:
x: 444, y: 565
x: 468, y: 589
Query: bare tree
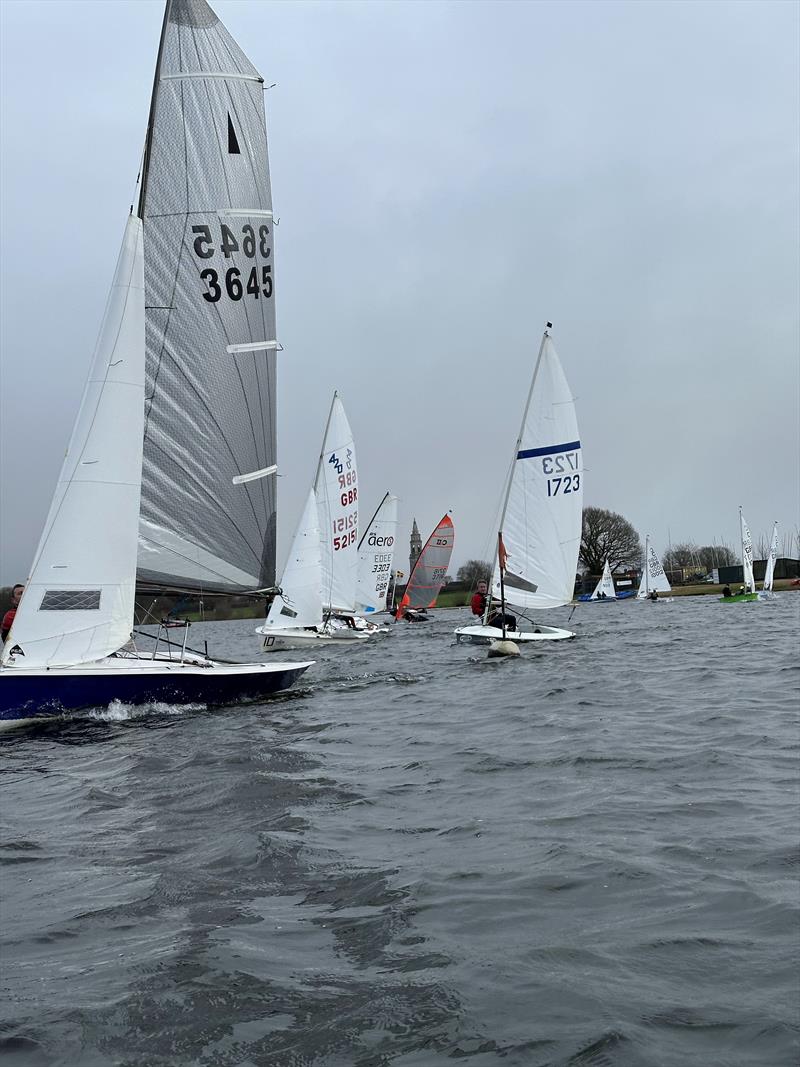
x: 608, y: 536
x: 474, y: 571
x: 681, y: 555
x: 711, y: 556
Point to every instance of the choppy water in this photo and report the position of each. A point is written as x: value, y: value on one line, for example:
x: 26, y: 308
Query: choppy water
x: 588, y: 856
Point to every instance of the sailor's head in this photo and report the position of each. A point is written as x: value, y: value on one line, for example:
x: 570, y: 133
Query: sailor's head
x: 16, y: 593
x: 482, y: 587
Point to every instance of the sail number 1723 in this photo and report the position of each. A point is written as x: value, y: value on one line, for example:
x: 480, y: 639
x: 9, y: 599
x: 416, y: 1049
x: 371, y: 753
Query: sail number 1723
x: 562, y: 472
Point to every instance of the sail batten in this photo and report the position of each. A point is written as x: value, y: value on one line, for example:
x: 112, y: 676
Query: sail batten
x: 210, y: 296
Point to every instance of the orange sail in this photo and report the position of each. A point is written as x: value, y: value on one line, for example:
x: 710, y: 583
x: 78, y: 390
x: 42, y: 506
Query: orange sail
x: 429, y: 571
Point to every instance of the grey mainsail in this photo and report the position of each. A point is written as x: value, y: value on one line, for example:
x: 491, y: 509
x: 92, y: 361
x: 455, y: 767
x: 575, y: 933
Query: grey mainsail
x: 208, y: 508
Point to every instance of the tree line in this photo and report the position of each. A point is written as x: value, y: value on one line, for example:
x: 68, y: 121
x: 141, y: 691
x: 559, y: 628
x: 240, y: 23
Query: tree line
x: 607, y: 535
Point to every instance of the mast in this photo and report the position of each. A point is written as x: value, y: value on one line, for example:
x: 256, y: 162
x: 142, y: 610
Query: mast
x: 326, y: 614
x: 518, y: 442
x: 502, y: 582
x: 647, y: 565
x: 374, y: 517
x: 741, y: 542
x: 324, y: 439
x: 151, y: 118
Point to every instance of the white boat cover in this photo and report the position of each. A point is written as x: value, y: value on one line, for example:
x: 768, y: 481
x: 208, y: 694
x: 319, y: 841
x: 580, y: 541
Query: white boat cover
x: 375, y: 557
x: 79, y: 599
x: 543, y: 517
x: 653, y: 578
x: 300, y: 604
x: 336, y: 488
x: 605, y: 585
x: 769, y: 574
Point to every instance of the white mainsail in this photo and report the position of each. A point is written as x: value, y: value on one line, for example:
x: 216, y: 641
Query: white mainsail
x: 375, y: 557
x: 79, y: 599
x: 336, y: 488
x: 542, y: 517
x: 299, y: 604
x: 208, y: 511
x: 773, y: 555
x: 653, y: 578
x: 747, y: 556
x: 605, y: 585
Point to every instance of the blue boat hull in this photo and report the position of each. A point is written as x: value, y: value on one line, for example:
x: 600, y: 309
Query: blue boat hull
x: 45, y: 695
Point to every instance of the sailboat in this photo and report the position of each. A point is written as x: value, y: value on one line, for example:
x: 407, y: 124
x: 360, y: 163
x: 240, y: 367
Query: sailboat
x: 654, y: 579
x: 605, y: 590
x: 748, y: 592
x: 375, y: 558
x: 769, y: 574
x: 167, y: 478
x: 322, y: 566
x: 428, y: 573
x: 541, y: 516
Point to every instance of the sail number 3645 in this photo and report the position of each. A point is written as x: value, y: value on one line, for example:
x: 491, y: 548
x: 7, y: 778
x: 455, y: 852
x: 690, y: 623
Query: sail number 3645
x: 235, y: 282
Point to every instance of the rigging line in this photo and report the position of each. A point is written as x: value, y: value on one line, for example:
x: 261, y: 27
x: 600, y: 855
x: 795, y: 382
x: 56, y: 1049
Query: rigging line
x: 217, y: 509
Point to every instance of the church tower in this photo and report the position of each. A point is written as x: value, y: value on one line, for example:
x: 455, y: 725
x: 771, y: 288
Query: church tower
x: 416, y: 547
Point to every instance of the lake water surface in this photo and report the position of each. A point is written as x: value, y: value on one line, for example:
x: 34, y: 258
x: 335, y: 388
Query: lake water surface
x: 587, y: 856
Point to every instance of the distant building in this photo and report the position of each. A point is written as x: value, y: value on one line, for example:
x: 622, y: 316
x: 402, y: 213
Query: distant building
x: 784, y: 568
x: 416, y: 547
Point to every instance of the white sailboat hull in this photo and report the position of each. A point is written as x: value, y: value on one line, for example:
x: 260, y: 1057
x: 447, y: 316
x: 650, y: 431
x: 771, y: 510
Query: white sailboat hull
x: 484, y: 635
x: 279, y: 640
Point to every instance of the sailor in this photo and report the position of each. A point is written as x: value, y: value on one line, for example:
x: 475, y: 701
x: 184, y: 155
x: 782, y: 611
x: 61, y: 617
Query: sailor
x: 8, y: 618
x: 478, y: 602
x: 727, y: 591
x: 653, y: 594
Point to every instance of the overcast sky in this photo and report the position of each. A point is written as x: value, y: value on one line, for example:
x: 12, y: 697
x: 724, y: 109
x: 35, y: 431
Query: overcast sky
x: 448, y: 176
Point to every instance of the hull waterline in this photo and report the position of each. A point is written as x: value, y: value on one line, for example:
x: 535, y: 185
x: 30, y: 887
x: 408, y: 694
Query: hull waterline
x: 26, y: 693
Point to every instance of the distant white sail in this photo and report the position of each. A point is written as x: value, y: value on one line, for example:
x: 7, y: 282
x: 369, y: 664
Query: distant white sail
x: 605, y: 585
x: 773, y: 555
x: 79, y: 599
x: 747, y: 556
x: 653, y: 577
x: 542, y: 518
x: 299, y: 604
x: 336, y: 488
x: 375, y: 557
x: 430, y: 570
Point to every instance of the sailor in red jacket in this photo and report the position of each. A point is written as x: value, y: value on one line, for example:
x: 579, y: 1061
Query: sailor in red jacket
x: 8, y: 618
x: 478, y: 602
